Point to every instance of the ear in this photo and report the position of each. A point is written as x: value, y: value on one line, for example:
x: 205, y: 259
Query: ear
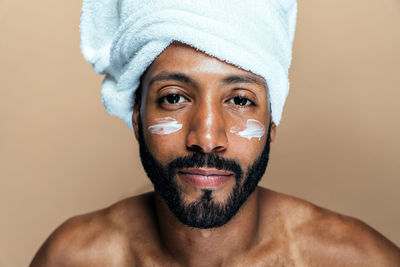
x: 135, y: 120
x: 273, y: 132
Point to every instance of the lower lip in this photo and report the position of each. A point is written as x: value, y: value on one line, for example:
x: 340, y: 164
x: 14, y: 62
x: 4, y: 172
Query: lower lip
x: 202, y: 181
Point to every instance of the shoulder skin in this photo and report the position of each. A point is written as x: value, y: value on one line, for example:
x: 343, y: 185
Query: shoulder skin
x: 304, y: 234
x: 101, y: 238
x: 319, y: 237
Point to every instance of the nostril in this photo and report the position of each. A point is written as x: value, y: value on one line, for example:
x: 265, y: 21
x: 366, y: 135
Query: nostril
x: 218, y: 149
x: 195, y: 148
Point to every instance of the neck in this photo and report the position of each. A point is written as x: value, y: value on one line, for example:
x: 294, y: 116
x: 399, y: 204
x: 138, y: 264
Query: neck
x: 194, y: 245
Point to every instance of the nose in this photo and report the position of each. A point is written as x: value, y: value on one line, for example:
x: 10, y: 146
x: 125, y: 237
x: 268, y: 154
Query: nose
x: 207, y: 133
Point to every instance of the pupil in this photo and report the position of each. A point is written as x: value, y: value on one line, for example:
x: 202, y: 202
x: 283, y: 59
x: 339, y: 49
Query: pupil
x: 173, y: 99
x: 240, y: 101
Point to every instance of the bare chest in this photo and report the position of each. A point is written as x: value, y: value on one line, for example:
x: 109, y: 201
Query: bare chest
x: 255, y: 257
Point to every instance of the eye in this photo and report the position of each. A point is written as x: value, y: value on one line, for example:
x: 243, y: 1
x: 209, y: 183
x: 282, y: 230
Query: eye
x: 172, y: 99
x: 241, y: 101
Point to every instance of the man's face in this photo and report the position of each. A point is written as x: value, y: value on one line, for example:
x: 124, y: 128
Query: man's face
x: 203, y: 128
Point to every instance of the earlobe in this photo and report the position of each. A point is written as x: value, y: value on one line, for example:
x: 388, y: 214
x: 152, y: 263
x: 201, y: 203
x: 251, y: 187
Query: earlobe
x: 273, y: 132
x: 135, y: 120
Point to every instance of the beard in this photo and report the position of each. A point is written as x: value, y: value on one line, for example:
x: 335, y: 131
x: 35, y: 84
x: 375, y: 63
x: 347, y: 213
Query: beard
x: 203, y: 213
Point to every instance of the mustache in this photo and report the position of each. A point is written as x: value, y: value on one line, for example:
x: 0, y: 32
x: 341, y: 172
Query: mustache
x: 201, y: 160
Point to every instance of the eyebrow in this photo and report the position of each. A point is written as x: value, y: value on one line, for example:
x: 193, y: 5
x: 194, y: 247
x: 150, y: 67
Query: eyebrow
x: 173, y: 76
x: 244, y: 79
x: 181, y: 77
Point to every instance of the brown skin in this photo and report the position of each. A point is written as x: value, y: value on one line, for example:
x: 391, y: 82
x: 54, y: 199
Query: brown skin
x: 270, y: 229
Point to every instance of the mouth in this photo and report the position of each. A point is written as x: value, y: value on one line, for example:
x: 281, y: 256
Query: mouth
x: 205, y: 178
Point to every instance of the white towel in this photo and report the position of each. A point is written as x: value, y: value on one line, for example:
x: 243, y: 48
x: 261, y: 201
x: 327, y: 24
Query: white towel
x: 121, y: 38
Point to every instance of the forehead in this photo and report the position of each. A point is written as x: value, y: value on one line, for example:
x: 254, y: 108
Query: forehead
x: 185, y: 59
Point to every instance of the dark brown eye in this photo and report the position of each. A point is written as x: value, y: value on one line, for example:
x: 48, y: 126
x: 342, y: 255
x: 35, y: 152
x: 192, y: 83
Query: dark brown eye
x: 241, y: 101
x: 173, y: 99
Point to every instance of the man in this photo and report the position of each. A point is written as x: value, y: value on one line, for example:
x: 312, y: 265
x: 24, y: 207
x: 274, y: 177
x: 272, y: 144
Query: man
x: 210, y: 94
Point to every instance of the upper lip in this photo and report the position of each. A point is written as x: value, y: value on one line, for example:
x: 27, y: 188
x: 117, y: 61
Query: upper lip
x: 205, y: 172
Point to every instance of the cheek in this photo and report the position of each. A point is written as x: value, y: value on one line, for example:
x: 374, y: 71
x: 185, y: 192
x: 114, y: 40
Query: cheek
x: 244, y: 150
x: 254, y: 130
x: 247, y: 140
x: 163, y: 137
x: 164, y: 126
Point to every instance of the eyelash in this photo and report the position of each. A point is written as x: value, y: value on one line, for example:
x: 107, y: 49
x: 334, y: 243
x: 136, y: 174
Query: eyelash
x: 163, y: 100
x: 251, y: 103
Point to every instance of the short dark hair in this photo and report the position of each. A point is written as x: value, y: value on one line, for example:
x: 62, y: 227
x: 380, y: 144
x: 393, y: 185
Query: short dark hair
x: 138, y: 95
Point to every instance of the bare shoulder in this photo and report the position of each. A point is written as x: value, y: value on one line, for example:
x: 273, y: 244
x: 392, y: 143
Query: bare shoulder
x: 102, y: 237
x: 343, y: 240
x: 319, y: 236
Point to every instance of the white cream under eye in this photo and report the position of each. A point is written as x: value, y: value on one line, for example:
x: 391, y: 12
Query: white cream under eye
x: 254, y: 129
x: 164, y: 126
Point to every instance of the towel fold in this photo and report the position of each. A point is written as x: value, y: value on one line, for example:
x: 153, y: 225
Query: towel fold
x: 121, y: 38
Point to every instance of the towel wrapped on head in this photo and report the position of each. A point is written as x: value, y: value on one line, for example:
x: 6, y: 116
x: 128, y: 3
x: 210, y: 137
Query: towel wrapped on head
x: 121, y: 38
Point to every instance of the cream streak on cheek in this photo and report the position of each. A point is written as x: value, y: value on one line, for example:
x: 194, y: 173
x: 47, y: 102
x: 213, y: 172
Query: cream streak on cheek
x: 165, y: 125
x: 254, y: 129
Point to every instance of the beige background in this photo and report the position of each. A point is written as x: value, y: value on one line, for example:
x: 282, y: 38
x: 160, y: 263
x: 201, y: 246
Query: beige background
x: 61, y: 154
